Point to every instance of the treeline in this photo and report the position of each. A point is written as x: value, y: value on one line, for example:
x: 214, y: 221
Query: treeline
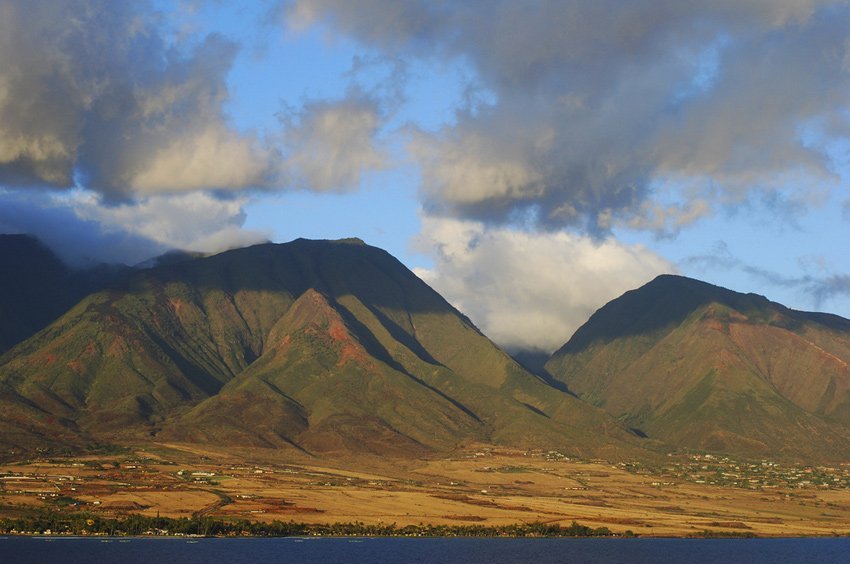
x: 139, y: 525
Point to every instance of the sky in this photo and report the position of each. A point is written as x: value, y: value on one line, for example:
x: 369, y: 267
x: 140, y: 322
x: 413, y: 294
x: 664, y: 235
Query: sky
x: 531, y: 160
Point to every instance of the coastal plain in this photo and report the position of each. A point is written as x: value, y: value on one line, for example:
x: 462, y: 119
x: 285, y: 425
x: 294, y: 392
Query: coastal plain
x: 685, y: 495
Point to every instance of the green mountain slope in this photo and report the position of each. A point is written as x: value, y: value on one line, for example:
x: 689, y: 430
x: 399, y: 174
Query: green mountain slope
x: 327, y: 346
x: 706, y: 368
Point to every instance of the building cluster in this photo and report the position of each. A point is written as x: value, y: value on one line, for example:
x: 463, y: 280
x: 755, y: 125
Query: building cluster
x: 761, y: 474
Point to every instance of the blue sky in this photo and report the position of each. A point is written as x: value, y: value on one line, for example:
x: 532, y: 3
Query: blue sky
x: 531, y: 163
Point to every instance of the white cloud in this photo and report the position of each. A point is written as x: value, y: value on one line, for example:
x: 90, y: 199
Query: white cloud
x: 329, y: 144
x: 210, y: 157
x: 82, y: 229
x: 196, y: 221
x: 530, y: 290
x: 94, y: 91
x: 473, y: 168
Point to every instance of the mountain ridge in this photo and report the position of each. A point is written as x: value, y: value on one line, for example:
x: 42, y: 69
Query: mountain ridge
x: 334, y: 347
x: 703, y: 367
x: 345, y: 347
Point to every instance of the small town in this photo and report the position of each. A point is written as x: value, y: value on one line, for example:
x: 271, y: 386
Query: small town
x: 717, y: 470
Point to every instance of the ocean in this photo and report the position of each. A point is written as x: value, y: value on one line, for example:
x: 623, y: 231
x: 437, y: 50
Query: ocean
x: 414, y: 550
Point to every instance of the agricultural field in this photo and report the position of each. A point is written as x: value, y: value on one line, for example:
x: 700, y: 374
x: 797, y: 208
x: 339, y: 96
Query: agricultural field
x: 484, y: 486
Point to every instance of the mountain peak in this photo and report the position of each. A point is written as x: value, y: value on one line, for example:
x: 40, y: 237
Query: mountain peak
x: 313, y: 311
x: 660, y: 304
x: 352, y: 241
x: 703, y: 367
x: 343, y: 241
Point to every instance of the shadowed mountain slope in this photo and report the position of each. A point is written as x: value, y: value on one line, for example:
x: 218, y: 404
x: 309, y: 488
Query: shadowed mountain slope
x: 323, y: 345
x: 36, y: 287
x: 703, y: 367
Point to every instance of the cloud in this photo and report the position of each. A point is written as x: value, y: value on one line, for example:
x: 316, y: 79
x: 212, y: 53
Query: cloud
x: 530, y: 291
x: 105, y: 96
x: 83, y: 230
x: 592, y: 103
x: 107, y: 103
x: 819, y: 283
x: 829, y: 287
x: 77, y: 241
x: 98, y: 93
x: 196, y: 221
x: 665, y: 220
x: 330, y: 144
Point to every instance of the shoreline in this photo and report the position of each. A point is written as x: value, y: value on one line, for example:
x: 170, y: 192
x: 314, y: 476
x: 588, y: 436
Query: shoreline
x: 110, y: 538
x: 307, y: 531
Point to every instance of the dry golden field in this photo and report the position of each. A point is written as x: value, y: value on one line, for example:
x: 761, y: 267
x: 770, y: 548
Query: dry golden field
x: 476, y: 486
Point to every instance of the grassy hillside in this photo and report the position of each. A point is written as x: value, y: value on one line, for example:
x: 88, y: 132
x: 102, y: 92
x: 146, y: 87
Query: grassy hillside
x: 324, y: 345
x: 702, y: 367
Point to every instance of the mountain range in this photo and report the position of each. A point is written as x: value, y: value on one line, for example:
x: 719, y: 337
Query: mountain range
x: 335, y: 347
x: 324, y: 346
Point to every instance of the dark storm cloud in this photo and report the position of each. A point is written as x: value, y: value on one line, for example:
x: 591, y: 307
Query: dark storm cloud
x: 592, y: 104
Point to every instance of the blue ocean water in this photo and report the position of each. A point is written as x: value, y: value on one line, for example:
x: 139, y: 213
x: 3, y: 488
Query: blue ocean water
x: 429, y: 550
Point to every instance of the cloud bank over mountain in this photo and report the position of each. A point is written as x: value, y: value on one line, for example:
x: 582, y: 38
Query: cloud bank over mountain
x: 526, y: 290
x: 584, y: 119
